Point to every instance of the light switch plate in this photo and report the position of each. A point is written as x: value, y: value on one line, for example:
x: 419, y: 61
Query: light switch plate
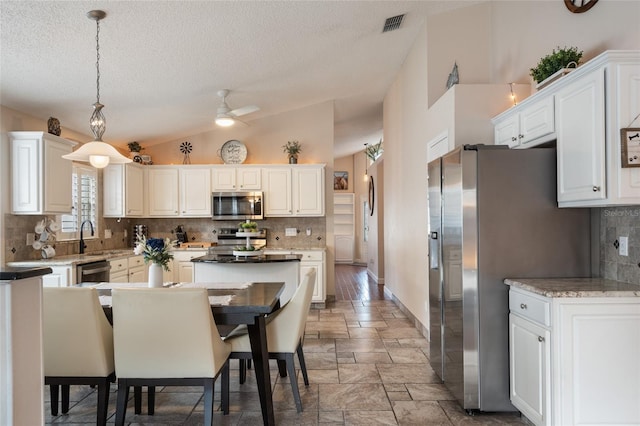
x: 107, y: 233
x: 31, y: 237
x: 290, y: 232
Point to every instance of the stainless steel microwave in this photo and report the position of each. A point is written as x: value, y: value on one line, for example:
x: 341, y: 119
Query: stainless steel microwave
x: 237, y: 205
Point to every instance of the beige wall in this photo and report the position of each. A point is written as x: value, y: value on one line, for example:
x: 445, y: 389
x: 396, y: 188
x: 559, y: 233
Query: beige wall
x: 375, y: 244
x: 512, y: 36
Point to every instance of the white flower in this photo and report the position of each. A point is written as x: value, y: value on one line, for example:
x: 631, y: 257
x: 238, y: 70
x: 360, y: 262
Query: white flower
x: 139, y: 249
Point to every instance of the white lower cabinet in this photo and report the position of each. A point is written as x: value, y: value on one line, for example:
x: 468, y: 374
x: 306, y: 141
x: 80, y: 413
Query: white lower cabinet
x: 183, y: 266
x: 137, y: 269
x: 119, y: 272
x: 61, y: 276
x: 310, y: 259
x: 574, y: 360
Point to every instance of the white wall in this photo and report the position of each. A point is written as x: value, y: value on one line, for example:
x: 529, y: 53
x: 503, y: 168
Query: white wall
x: 511, y: 37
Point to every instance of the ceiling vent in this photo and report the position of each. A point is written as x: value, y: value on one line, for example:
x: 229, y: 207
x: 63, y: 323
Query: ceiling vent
x: 392, y: 23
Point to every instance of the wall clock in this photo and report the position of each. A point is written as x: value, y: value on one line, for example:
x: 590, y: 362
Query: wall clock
x: 579, y: 6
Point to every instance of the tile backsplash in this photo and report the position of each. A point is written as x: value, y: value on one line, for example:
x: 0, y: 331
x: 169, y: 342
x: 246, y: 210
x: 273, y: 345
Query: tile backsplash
x: 616, y: 222
x: 17, y: 227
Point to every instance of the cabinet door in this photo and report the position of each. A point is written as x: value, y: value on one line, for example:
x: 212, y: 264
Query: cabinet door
x: 195, y: 192
x: 57, y: 177
x: 537, y: 123
x: 134, y: 190
x: 277, y: 192
x: 506, y: 131
x: 25, y: 175
x: 308, y: 191
x: 580, y: 131
x: 60, y: 276
x: 223, y: 178
x: 113, y: 190
x: 529, y: 361
x: 185, y: 272
x: 121, y: 277
x: 318, y: 290
x: 344, y: 248
x: 163, y: 192
x: 249, y: 178
x: 138, y: 275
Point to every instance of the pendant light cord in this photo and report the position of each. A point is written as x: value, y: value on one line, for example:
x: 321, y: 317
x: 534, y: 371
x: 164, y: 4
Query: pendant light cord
x: 98, y: 60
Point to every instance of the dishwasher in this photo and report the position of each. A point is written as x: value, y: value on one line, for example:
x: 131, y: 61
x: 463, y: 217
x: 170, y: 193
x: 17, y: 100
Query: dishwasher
x: 94, y: 272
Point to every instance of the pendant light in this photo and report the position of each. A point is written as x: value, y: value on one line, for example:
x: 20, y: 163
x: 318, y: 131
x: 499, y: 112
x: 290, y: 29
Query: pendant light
x: 97, y: 152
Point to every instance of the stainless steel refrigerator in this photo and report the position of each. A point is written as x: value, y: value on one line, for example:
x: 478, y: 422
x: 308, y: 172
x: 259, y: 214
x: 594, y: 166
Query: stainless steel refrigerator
x: 492, y: 215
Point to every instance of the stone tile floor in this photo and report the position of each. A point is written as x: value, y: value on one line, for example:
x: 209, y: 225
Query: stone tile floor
x: 367, y: 365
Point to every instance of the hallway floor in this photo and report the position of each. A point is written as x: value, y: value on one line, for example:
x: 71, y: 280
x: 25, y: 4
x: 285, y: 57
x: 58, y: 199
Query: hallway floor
x: 367, y: 365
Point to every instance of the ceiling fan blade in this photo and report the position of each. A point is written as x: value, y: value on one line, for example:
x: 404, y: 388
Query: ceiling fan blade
x: 244, y: 110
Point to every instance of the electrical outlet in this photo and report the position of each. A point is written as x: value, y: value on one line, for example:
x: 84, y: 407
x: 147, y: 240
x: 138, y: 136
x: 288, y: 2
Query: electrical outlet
x: 107, y: 234
x: 31, y: 237
x: 624, y: 246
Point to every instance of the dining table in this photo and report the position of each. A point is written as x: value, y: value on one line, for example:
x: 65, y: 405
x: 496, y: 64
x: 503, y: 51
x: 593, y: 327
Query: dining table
x: 232, y: 304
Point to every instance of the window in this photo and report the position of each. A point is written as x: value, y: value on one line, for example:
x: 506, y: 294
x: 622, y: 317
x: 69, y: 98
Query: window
x: 85, y: 205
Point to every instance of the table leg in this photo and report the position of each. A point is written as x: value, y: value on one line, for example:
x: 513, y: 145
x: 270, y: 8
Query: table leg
x: 260, y: 354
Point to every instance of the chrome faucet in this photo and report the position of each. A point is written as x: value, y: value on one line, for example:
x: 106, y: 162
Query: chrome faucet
x: 82, y: 245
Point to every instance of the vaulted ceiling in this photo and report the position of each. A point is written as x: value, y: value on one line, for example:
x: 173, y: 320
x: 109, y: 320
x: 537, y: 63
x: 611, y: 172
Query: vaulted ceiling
x: 162, y: 62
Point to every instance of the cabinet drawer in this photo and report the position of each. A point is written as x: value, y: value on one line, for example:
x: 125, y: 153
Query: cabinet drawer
x: 530, y: 307
x: 118, y: 265
x: 309, y: 255
x: 136, y: 261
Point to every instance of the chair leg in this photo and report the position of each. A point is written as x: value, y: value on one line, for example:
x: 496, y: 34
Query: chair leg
x: 103, y: 403
x: 249, y: 364
x: 121, y: 402
x: 208, y: 401
x: 303, y: 365
x: 294, y: 382
x: 243, y: 370
x: 282, y: 368
x: 65, y: 398
x: 54, y: 392
x: 224, y: 389
x: 151, y: 400
x: 137, y: 399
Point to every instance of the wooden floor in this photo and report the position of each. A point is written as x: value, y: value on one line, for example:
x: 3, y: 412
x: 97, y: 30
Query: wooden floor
x: 353, y: 283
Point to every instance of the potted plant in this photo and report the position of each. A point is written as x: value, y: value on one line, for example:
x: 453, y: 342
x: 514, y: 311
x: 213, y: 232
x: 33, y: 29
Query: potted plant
x: 292, y: 148
x: 134, y: 148
x: 374, y: 151
x: 555, y: 65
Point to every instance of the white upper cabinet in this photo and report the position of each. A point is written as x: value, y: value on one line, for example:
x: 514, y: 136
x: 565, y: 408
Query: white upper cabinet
x: 530, y: 125
x: 123, y: 194
x: 162, y: 184
x: 195, y: 191
x: 589, y: 107
x: 232, y: 178
x: 294, y: 190
x: 41, y: 178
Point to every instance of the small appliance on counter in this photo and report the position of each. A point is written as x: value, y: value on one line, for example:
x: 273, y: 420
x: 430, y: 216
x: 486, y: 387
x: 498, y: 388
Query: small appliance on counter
x: 227, y: 240
x: 181, y: 234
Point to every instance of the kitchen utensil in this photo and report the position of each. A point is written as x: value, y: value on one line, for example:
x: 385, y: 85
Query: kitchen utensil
x: 37, y: 245
x: 44, y: 236
x: 39, y: 229
x: 48, y: 252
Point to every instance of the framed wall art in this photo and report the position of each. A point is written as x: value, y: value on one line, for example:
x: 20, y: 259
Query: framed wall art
x: 340, y: 181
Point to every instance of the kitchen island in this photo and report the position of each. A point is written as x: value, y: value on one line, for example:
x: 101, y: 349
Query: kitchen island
x: 21, y: 370
x: 223, y: 268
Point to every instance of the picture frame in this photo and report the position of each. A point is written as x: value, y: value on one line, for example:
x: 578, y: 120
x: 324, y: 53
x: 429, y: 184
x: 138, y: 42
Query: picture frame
x: 340, y: 181
x: 630, y: 146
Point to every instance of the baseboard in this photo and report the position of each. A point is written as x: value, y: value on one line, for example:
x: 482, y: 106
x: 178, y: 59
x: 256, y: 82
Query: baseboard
x: 423, y: 330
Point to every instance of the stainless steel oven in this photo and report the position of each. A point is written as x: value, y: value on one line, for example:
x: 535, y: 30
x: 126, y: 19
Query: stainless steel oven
x: 94, y: 272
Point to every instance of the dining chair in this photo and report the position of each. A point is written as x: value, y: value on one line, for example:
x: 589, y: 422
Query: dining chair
x: 77, y: 345
x: 167, y: 337
x: 285, y: 330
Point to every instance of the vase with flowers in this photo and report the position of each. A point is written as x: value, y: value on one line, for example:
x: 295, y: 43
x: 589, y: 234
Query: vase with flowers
x: 155, y: 251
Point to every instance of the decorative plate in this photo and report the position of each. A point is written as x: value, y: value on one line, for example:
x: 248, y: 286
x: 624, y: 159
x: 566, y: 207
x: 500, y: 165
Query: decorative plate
x: 233, y: 152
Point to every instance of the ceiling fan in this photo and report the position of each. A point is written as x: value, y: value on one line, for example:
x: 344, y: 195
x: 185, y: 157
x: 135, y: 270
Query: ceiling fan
x: 226, y: 116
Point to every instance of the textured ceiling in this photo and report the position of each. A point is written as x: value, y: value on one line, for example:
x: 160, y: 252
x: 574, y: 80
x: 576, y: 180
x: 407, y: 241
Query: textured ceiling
x: 162, y: 62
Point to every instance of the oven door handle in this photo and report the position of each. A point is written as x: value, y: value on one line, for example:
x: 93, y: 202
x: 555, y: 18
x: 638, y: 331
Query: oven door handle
x: 96, y: 270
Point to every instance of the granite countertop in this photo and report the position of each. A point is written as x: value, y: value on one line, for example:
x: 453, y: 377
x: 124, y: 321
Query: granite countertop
x: 75, y: 259
x: 575, y: 287
x: 265, y: 258
x: 8, y: 273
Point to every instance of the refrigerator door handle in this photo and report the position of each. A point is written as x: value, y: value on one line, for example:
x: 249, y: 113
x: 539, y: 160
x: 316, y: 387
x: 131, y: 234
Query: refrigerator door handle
x: 434, y: 251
